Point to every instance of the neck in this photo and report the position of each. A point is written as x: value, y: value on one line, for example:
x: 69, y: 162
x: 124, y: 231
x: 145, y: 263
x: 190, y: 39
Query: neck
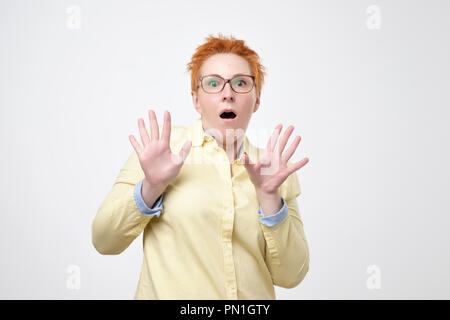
x: 231, y: 148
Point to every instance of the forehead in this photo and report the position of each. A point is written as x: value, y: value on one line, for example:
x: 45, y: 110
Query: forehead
x: 225, y: 64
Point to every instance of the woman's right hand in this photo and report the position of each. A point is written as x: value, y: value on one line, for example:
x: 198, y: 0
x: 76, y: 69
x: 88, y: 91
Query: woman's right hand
x: 157, y: 161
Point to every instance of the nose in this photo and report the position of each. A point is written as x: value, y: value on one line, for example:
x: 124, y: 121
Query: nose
x: 228, y: 93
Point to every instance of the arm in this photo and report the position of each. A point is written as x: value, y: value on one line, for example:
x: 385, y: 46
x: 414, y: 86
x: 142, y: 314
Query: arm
x: 276, y: 218
x: 139, y: 191
x: 119, y: 220
x: 287, y: 252
x: 125, y: 213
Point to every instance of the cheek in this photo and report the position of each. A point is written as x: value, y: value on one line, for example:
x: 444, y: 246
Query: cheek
x: 250, y: 99
x: 208, y: 103
x: 249, y: 104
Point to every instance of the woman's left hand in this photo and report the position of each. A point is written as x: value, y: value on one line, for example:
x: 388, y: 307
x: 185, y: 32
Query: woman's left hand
x: 271, y: 170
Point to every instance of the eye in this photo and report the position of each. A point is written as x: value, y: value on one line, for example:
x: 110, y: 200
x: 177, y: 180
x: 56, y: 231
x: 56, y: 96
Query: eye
x: 212, y: 83
x: 239, y: 82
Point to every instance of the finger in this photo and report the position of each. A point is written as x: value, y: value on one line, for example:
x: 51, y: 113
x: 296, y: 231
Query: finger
x: 294, y: 167
x: 166, y: 127
x: 135, y: 144
x: 143, y: 131
x: 153, y: 125
x: 250, y: 167
x: 185, y: 150
x: 273, y: 139
x: 265, y: 159
x: 284, y: 139
x: 246, y: 159
x: 290, y: 151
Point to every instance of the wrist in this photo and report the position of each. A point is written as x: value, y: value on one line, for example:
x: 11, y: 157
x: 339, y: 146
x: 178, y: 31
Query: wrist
x: 150, y: 193
x: 270, y: 202
x: 147, y: 185
x: 267, y: 194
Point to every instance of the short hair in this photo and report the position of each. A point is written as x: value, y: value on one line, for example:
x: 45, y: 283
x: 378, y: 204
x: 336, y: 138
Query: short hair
x: 221, y: 44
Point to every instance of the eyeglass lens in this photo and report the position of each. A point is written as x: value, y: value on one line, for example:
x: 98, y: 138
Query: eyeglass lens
x: 239, y: 84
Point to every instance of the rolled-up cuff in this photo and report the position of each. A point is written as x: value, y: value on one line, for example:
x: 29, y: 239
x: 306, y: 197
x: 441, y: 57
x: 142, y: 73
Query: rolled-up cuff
x: 276, y: 218
x: 157, y: 208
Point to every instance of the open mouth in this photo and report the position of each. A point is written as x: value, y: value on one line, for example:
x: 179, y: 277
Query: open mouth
x: 228, y: 115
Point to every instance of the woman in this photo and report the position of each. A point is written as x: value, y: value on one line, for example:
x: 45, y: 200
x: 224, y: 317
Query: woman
x: 220, y: 216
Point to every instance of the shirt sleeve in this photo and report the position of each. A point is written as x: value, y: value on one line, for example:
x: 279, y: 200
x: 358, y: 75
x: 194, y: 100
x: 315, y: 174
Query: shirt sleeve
x: 143, y: 208
x: 276, y: 218
x: 119, y: 220
x: 287, y: 252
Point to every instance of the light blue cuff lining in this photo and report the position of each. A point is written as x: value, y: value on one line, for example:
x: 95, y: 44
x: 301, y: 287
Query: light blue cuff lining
x: 157, y: 208
x: 276, y: 218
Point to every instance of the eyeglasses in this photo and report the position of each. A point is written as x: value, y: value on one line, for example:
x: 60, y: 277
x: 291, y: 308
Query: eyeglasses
x: 213, y: 83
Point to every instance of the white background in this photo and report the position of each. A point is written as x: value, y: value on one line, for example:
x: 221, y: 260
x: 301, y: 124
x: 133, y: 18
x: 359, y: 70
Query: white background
x: 371, y: 105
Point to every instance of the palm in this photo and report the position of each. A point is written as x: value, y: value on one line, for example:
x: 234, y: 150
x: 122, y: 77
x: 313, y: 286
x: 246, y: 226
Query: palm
x: 271, y: 170
x: 158, y: 162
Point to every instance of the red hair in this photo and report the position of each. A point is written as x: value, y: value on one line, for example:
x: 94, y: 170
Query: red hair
x: 221, y: 44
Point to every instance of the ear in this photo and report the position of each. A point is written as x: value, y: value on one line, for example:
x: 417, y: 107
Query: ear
x: 195, y: 101
x: 256, y: 104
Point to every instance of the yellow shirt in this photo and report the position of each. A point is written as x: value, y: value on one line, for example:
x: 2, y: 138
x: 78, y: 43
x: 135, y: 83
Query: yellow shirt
x: 208, y: 241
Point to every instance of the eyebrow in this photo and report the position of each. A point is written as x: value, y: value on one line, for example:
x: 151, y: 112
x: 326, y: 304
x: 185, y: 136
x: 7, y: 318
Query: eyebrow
x: 237, y: 74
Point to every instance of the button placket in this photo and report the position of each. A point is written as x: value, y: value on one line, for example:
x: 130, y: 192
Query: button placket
x: 227, y: 229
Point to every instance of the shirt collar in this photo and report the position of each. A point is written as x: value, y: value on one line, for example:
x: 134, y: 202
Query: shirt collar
x: 198, y: 136
x: 241, y: 148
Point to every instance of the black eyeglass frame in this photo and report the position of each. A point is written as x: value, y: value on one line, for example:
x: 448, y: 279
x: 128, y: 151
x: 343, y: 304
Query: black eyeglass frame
x: 225, y: 82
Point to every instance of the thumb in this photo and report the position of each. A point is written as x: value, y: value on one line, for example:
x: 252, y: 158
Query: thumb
x: 250, y: 168
x: 246, y: 159
x: 184, y: 152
